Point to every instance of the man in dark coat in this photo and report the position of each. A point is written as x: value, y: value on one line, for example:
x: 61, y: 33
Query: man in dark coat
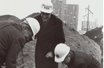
x: 13, y: 37
x: 50, y: 34
x: 74, y: 59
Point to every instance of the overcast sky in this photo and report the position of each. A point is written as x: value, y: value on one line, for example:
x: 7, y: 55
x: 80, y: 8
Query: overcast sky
x: 22, y: 8
x: 19, y: 8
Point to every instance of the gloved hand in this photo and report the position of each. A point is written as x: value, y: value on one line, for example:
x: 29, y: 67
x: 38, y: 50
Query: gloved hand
x: 49, y: 55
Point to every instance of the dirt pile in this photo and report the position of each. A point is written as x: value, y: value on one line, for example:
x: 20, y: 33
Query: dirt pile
x: 96, y: 35
x: 9, y: 18
x: 73, y: 39
x: 81, y: 42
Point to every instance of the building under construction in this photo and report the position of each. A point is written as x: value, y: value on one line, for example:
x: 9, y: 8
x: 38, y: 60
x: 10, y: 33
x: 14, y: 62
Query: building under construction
x: 91, y: 25
x: 68, y: 13
x: 88, y: 25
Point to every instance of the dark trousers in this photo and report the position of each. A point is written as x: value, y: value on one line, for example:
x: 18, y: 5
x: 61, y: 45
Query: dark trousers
x: 0, y: 65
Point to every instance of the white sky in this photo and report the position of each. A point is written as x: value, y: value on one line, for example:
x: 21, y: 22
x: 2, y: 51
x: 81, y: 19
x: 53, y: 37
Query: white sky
x: 23, y: 8
x: 19, y: 8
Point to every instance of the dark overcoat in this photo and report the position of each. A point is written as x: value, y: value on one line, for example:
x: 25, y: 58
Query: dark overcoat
x: 82, y: 60
x: 11, y: 43
x: 47, y: 38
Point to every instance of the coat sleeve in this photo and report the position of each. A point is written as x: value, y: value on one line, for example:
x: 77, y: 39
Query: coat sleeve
x: 60, y: 38
x: 12, y: 55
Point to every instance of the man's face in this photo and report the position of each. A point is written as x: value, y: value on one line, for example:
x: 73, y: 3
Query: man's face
x: 27, y: 32
x: 45, y: 16
x: 67, y: 59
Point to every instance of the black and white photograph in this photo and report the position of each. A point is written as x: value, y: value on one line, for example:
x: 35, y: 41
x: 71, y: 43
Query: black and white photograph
x: 51, y: 33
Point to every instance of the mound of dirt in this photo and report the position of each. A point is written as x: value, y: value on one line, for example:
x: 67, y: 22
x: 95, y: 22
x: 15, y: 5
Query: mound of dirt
x: 9, y: 18
x: 81, y: 42
x: 73, y: 39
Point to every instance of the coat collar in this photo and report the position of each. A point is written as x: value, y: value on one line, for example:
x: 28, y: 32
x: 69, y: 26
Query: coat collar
x: 48, y: 28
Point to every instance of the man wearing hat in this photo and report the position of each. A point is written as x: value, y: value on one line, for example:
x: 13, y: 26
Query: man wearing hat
x: 50, y: 34
x: 13, y: 37
x: 74, y: 59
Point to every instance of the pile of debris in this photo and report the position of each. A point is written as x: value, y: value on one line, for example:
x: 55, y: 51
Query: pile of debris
x: 73, y: 39
x: 81, y: 42
x: 96, y: 35
x: 9, y: 18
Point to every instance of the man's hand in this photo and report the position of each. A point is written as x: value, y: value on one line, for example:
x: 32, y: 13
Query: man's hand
x: 49, y: 55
